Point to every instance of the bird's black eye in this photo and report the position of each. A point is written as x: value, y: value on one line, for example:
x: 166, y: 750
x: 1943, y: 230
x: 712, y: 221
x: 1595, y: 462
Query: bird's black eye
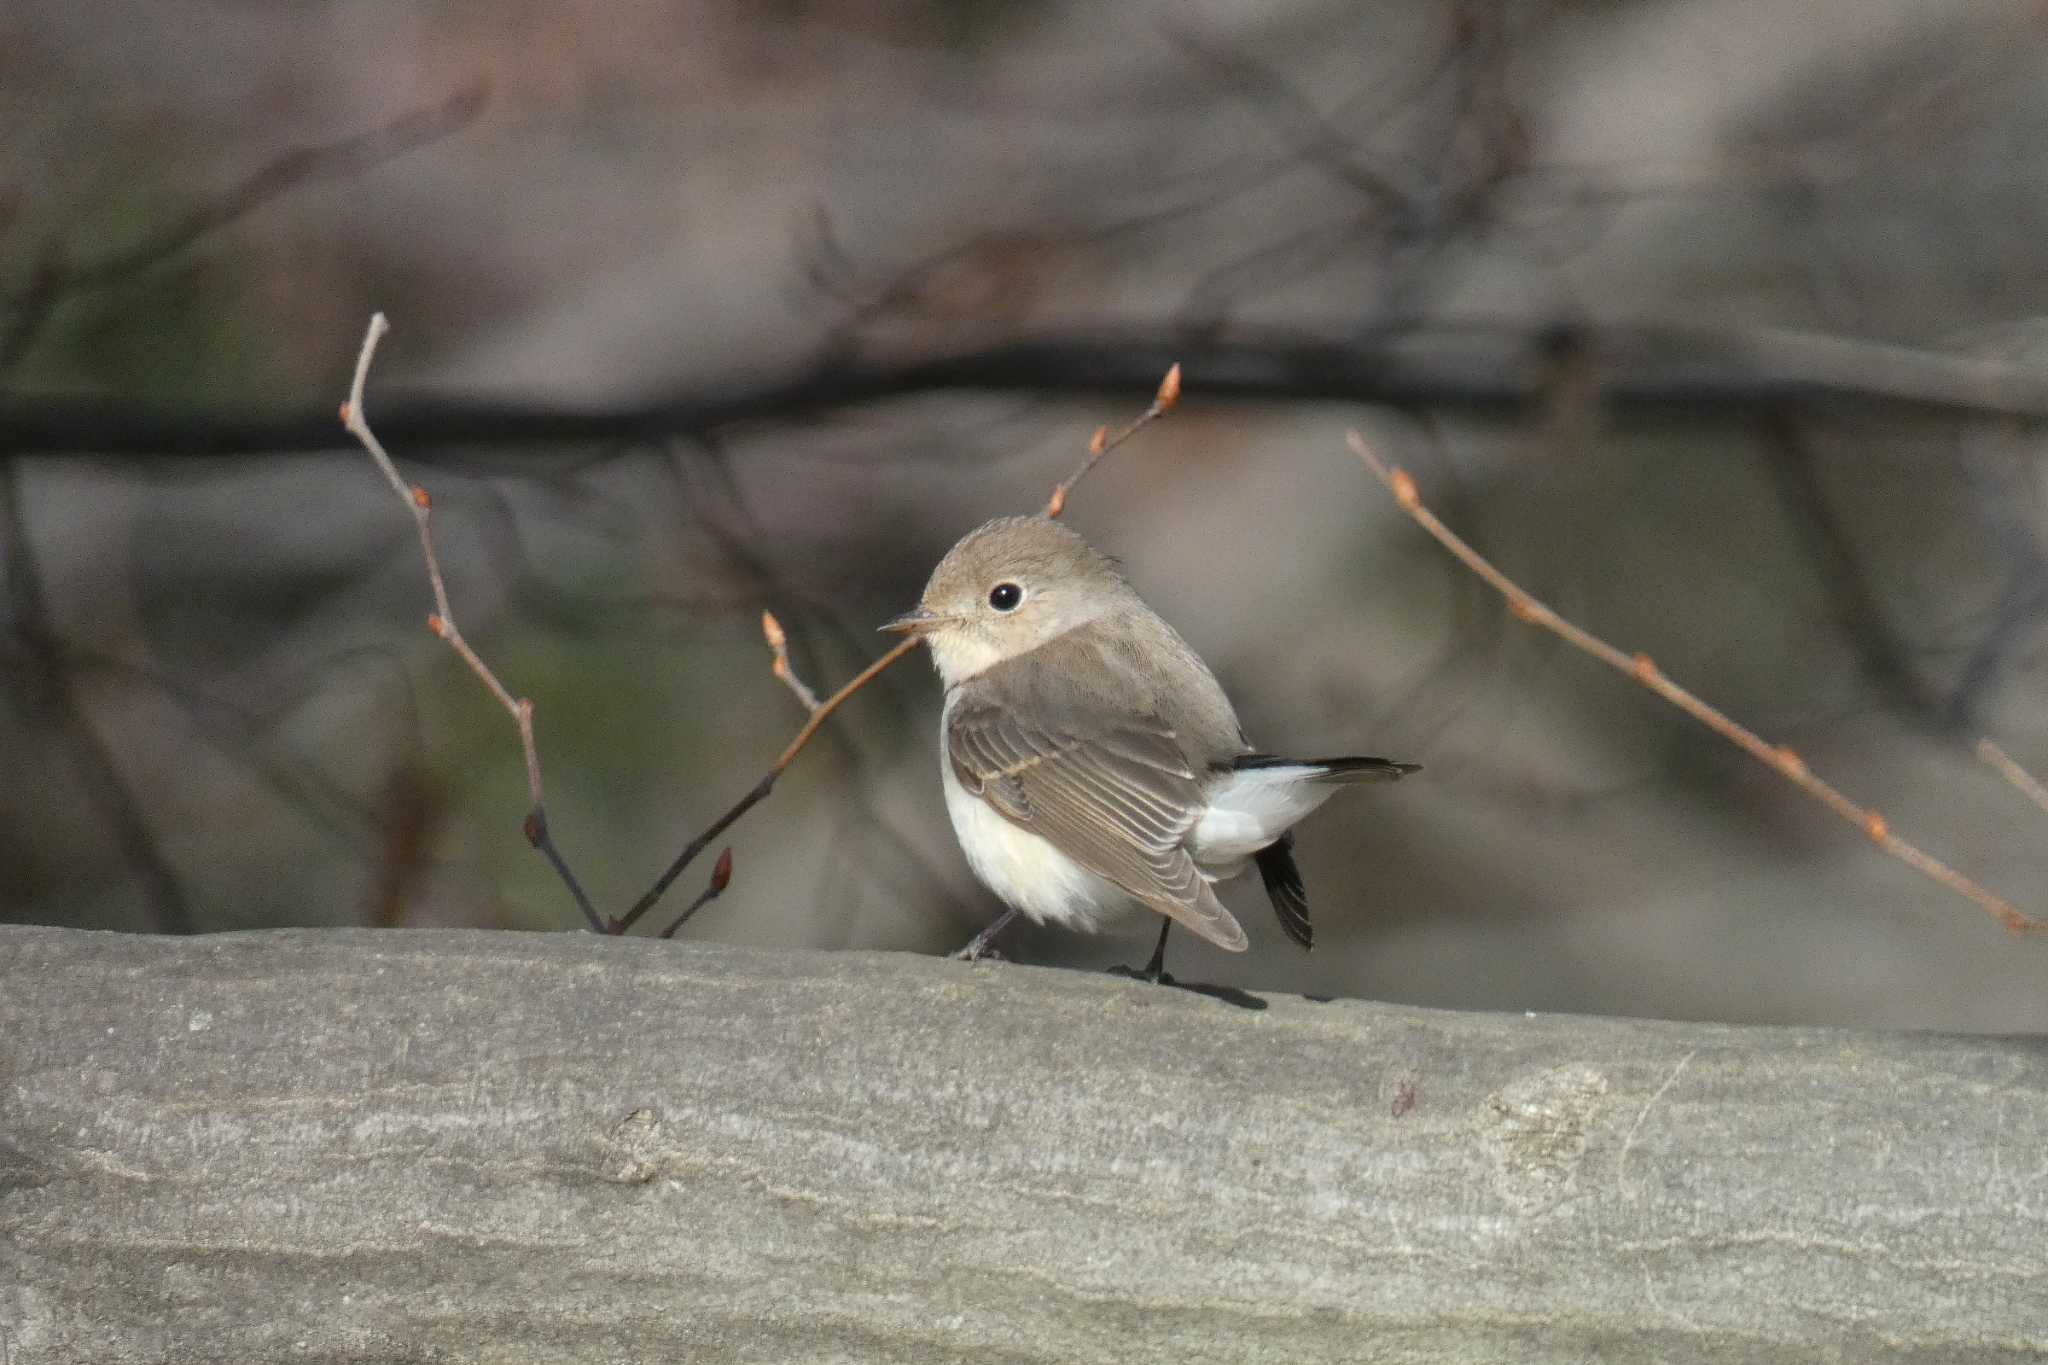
x: 1005, y: 596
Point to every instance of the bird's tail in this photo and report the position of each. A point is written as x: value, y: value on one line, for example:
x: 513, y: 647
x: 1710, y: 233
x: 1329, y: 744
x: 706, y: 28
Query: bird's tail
x: 1333, y: 770
x: 1284, y: 887
x: 1251, y: 811
x: 1260, y: 797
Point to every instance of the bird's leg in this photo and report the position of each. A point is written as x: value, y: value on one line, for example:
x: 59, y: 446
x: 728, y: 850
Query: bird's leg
x: 1155, y: 970
x: 981, y: 945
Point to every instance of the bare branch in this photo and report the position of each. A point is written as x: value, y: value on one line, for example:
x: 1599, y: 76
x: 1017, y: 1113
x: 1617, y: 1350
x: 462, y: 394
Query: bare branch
x: 442, y: 621
x: 292, y: 169
x: 1102, y: 442
x: 1813, y: 516
x: 1645, y: 671
x: 1476, y: 365
x: 721, y: 877
x: 759, y: 792
x: 41, y: 668
x: 771, y: 630
x: 2023, y: 781
x: 55, y: 277
x: 1277, y: 101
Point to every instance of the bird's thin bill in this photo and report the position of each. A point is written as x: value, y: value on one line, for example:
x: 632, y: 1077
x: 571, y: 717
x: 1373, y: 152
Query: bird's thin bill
x: 915, y: 622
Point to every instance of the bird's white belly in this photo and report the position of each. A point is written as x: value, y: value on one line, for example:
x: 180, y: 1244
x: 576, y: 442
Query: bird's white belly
x: 1024, y: 869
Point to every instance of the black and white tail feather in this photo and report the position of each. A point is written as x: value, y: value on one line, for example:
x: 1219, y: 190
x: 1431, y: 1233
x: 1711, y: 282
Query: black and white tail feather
x: 1285, y: 789
x: 1283, y: 886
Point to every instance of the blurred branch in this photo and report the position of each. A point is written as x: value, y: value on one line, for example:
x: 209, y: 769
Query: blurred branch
x: 1313, y: 137
x: 246, y: 729
x: 442, y: 622
x: 1793, y: 464
x: 1663, y: 367
x: 293, y: 169
x: 37, y: 662
x: 54, y: 277
x: 2023, y: 782
x: 1644, y: 670
x: 23, y: 316
x: 1998, y: 466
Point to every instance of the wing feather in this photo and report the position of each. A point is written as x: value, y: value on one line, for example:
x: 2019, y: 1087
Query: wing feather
x: 1117, y: 796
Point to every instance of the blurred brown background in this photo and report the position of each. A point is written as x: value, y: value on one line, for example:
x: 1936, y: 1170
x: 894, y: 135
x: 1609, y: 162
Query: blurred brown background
x: 1712, y: 321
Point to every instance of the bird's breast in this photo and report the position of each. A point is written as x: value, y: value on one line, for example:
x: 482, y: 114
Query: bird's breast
x: 1024, y: 869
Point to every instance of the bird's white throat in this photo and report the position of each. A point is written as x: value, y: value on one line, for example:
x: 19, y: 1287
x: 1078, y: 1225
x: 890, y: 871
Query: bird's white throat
x: 960, y: 652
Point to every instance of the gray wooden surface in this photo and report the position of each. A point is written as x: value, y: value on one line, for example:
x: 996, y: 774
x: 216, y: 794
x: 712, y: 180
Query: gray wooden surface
x: 325, y: 1146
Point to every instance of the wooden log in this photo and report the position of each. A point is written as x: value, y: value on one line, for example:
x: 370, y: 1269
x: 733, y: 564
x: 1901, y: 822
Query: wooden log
x: 445, y: 1146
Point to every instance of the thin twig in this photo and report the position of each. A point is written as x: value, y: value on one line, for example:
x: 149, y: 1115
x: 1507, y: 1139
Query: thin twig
x: 721, y: 877
x: 760, y: 789
x: 1163, y: 402
x: 2025, y: 782
x: 771, y: 631
x: 1318, y: 141
x: 442, y: 621
x: 1641, y: 668
x: 1102, y: 443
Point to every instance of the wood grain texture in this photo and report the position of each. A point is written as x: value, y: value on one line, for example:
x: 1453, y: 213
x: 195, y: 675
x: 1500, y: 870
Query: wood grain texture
x: 414, y: 1146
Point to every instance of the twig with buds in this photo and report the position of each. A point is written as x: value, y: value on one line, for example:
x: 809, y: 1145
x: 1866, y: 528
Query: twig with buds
x: 1103, y: 442
x: 778, y: 643
x: 1645, y: 671
x: 442, y: 621
x: 759, y: 792
x: 721, y: 877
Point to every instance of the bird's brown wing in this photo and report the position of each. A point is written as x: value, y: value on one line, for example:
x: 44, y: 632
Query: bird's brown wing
x: 1117, y: 796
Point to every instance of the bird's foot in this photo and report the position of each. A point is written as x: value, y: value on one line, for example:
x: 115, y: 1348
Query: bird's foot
x: 983, y: 944
x: 1155, y: 970
x: 976, y: 951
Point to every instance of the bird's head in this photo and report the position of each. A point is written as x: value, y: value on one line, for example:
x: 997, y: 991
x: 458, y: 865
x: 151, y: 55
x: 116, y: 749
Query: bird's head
x: 1006, y: 588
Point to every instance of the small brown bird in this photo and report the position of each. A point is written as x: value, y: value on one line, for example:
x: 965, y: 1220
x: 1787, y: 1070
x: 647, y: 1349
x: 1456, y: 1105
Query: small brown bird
x: 1092, y: 765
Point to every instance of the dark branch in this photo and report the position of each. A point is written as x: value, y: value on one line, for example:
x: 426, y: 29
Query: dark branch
x: 1795, y: 468
x: 1315, y: 139
x: 1658, y: 367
